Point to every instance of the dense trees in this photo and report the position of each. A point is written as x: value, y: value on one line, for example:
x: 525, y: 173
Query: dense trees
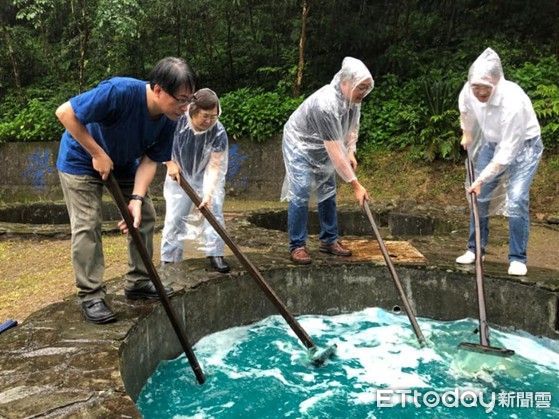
x: 418, y: 51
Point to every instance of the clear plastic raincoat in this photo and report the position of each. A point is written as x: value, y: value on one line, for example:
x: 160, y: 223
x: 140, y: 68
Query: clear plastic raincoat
x: 320, y: 135
x: 503, y: 137
x: 202, y: 158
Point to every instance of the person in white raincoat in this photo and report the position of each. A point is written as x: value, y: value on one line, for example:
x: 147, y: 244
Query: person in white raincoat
x: 502, y: 135
x: 200, y: 152
x: 319, y: 139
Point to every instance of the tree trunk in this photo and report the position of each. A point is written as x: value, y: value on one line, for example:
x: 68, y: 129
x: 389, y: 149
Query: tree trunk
x: 83, y: 29
x: 302, y: 42
x: 178, y: 22
x: 230, y: 49
x: 13, y: 60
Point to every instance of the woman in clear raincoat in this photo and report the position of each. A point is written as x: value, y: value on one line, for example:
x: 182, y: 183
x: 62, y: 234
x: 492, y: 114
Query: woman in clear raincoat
x: 502, y: 135
x: 200, y: 151
x: 319, y: 139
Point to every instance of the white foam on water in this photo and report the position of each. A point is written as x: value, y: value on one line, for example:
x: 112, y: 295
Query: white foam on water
x: 215, y: 347
x: 197, y: 415
x: 309, y: 403
x: 532, y: 350
x: 315, y: 325
x: 309, y: 378
x: 373, y: 315
x: 381, y: 353
x: 365, y: 397
x: 378, y: 366
x: 258, y: 373
x: 376, y: 349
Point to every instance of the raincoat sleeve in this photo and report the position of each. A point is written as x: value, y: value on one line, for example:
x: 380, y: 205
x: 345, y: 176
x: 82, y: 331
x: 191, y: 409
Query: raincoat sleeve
x: 468, y: 121
x: 512, y: 136
x: 340, y: 160
x: 216, y: 167
x: 214, y: 170
x: 514, y: 128
x: 330, y: 129
x: 353, y: 135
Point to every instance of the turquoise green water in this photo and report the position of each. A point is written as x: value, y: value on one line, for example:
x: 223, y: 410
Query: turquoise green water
x: 262, y: 371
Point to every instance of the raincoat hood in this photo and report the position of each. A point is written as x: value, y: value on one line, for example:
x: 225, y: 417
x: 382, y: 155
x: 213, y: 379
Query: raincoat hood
x: 200, y: 95
x: 351, y: 75
x: 486, y: 69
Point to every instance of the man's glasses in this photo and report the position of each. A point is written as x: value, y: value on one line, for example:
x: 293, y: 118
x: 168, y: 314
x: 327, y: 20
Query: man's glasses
x: 362, y: 88
x: 183, y: 100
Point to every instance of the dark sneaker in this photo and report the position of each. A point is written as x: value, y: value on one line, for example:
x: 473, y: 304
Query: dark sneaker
x: 96, y: 311
x: 219, y: 264
x: 146, y: 291
x: 335, y: 248
x: 301, y: 256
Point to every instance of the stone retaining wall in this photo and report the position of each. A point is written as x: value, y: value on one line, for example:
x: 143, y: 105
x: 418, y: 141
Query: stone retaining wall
x: 28, y: 171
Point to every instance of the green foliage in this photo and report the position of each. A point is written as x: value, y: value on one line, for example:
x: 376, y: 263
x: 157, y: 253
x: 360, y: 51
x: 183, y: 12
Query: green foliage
x: 117, y: 30
x: 33, y: 11
x: 540, y: 80
x: 531, y: 74
x: 418, y: 52
x: 255, y: 114
x: 546, y: 105
x: 439, y: 139
x: 35, y: 122
x: 33, y: 119
x: 418, y: 115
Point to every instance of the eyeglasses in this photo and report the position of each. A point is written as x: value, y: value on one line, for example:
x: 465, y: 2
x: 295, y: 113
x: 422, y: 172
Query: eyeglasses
x: 209, y: 117
x: 362, y: 88
x: 481, y: 88
x: 181, y: 101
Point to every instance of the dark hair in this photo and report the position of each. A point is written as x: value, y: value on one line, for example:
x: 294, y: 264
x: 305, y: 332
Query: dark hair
x: 171, y: 74
x: 205, y: 99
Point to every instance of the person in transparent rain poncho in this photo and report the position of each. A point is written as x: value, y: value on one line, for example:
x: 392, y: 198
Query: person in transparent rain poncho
x: 502, y: 135
x: 319, y: 140
x: 200, y: 150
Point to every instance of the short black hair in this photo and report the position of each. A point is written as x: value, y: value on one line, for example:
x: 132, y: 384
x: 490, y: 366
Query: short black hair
x: 171, y: 73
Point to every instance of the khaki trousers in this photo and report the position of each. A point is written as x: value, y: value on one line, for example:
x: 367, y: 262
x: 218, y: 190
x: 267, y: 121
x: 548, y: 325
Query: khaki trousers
x: 83, y: 196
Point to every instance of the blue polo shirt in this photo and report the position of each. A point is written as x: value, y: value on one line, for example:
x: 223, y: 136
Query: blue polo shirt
x: 116, y: 115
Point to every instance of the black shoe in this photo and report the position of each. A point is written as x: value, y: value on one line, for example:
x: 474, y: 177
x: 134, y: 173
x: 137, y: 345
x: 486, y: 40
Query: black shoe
x: 96, y: 311
x: 219, y: 264
x: 146, y: 290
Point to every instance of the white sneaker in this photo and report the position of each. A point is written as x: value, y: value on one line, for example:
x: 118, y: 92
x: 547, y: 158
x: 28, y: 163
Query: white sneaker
x: 467, y: 258
x: 517, y: 268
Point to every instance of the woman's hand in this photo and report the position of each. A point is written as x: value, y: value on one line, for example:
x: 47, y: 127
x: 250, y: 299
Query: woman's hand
x: 206, y: 202
x: 173, y: 170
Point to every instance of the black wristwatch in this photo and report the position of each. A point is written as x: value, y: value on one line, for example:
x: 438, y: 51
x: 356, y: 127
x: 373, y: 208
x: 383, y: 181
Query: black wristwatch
x: 137, y: 197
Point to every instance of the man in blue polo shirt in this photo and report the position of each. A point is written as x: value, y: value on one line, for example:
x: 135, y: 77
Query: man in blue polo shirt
x: 126, y: 126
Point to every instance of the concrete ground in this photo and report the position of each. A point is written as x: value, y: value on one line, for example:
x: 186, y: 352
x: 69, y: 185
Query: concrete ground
x: 35, y: 258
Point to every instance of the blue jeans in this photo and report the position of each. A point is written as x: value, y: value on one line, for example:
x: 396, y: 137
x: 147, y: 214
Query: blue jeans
x: 521, y: 172
x: 298, y: 214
